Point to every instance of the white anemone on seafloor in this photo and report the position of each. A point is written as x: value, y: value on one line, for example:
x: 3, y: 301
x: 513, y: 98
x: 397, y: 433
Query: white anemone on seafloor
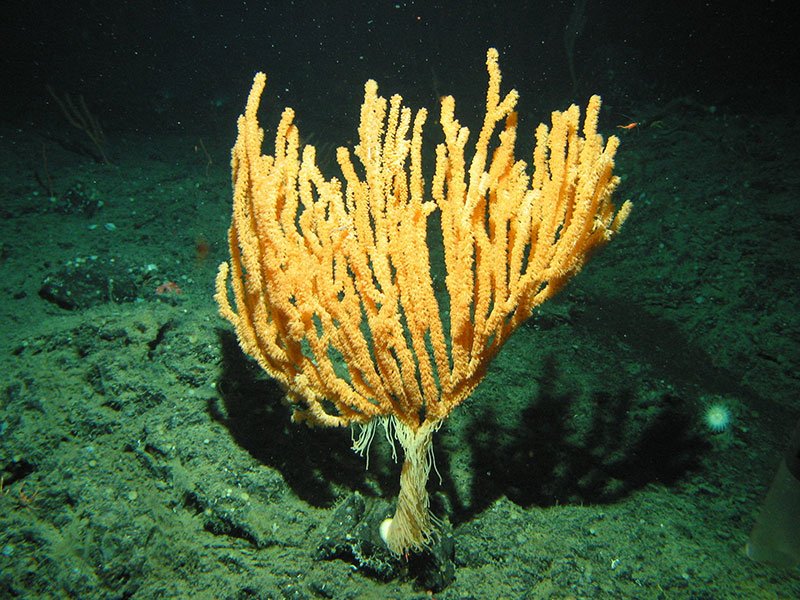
x: 718, y: 418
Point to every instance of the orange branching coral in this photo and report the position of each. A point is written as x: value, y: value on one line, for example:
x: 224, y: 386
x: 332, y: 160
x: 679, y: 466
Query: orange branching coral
x: 331, y: 278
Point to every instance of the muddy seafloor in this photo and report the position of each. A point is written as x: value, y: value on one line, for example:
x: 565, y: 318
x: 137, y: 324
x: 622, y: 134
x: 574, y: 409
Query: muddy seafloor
x: 143, y: 456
